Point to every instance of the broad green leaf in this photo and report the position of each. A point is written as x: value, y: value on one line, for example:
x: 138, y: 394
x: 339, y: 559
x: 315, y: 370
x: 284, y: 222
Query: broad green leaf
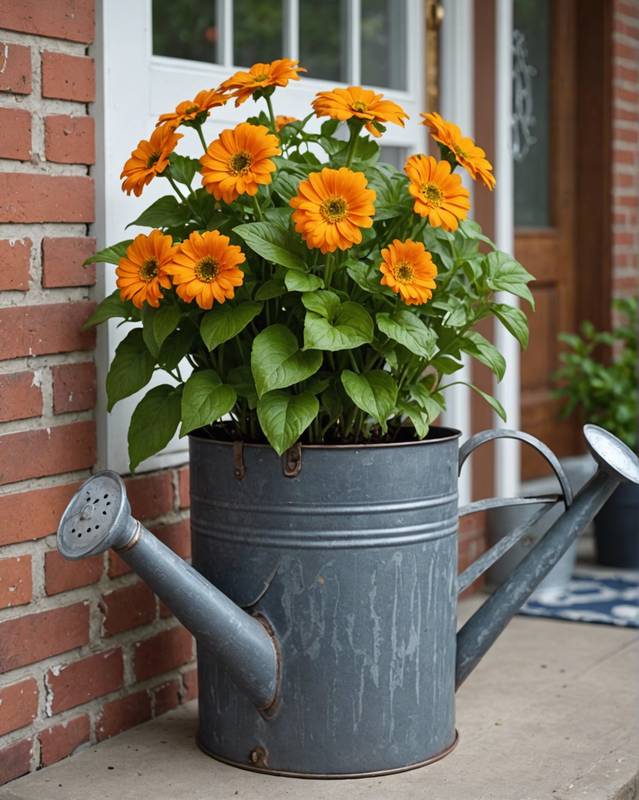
x: 273, y: 243
x: 484, y: 351
x: 507, y: 275
x: 112, y: 307
x: 148, y: 334
x: 285, y: 185
x: 204, y: 400
x: 302, y: 282
x: 225, y: 321
x: 492, y: 401
x: 131, y: 368
x: 110, y: 255
x: 366, y: 277
x: 374, y: 392
x: 165, y: 321
x: 183, y: 168
x: 417, y: 416
x: 281, y: 216
x: 176, y: 346
x: 166, y: 212
x: 514, y: 320
x: 350, y: 327
x: 241, y: 379
x: 272, y: 288
x: 153, y: 423
x: 284, y: 417
x: 325, y: 303
x: 408, y: 329
x: 277, y: 361
x: 456, y: 311
x: 446, y: 364
x: 426, y: 401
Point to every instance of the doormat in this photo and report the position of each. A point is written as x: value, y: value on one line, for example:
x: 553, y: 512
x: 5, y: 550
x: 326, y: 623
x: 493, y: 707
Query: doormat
x: 599, y: 596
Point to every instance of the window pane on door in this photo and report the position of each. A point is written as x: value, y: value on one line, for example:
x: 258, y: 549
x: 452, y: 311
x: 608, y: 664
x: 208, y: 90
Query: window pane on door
x: 257, y: 31
x: 323, y: 31
x: 186, y: 29
x: 384, y: 43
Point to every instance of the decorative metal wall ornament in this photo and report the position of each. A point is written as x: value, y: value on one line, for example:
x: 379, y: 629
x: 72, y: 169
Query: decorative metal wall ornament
x: 523, y: 119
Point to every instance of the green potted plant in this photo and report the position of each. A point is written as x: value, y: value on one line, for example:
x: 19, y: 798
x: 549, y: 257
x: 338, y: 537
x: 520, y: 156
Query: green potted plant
x: 599, y: 380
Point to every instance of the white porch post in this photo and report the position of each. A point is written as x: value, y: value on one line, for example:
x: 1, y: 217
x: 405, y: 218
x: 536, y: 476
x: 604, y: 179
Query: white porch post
x: 507, y: 468
x: 457, y: 94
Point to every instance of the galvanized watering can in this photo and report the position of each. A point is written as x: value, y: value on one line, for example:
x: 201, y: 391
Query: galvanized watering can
x: 323, y: 592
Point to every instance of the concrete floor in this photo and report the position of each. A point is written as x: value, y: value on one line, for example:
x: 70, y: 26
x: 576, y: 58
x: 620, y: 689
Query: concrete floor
x: 552, y: 713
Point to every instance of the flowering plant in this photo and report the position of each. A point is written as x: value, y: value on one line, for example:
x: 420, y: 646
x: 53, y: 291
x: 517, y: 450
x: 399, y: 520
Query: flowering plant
x: 315, y: 292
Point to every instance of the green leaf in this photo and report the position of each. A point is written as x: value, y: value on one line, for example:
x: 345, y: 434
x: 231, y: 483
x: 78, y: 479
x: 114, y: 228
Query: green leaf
x: 492, y: 401
x: 112, y: 307
x: 408, y: 329
x: 302, y: 282
x: 205, y: 399
x: 166, y: 212
x: 131, y: 368
x: 273, y: 243
x: 225, y: 321
x: 351, y: 326
x: 325, y: 303
x: 426, y: 401
x: 153, y: 423
x: 484, y: 351
x: 514, y: 320
x: 148, y: 334
x: 366, y: 277
x: 285, y: 185
x: 165, y: 321
x: 241, y: 379
x: 176, y: 347
x: 277, y: 361
x: 374, y: 392
x: 507, y: 275
x: 280, y: 216
x: 110, y: 255
x: 418, y: 417
x: 183, y: 168
x: 271, y: 289
x: 284, y: 417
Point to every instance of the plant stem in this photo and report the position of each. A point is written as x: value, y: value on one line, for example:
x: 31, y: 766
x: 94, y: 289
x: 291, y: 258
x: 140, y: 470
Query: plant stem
x: 177, y: 190
x: 198, y: 128
x: 271, y: 113
x: 256, y: 207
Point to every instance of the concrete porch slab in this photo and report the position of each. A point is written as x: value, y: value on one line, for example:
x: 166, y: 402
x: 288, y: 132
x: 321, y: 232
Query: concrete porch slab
x: 552, y: 713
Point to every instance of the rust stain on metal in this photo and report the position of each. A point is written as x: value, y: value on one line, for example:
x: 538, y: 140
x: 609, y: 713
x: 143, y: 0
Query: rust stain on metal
x: 259, y: 757
x: 293, y: 461
x: 239, y: 468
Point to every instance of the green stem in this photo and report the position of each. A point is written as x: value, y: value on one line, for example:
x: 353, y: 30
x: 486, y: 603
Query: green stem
x: 328, y: 273
x: 177, y: 190
x: 198, y: 128
x: 271, y: 113
x: 351, y: 355
x: 352, y: 144
x: 256, y: 207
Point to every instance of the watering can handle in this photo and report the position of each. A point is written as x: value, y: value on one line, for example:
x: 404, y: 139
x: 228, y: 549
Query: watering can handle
x: 546, y: 502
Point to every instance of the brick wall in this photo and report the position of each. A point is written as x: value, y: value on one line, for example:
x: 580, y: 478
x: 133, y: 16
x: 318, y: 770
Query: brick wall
x: 86, y: 650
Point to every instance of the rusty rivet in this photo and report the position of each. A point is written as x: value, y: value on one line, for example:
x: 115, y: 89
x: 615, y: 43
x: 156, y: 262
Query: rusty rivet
x: 258, y: 757
x: 239, y: 469
x: 293, y: 461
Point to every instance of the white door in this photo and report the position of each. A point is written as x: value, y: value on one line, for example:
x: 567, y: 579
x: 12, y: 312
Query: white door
x: 154, y: 53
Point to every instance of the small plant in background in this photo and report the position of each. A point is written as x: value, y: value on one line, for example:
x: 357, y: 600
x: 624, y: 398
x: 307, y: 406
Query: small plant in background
x: 599, y: 374
x: 314, y: 292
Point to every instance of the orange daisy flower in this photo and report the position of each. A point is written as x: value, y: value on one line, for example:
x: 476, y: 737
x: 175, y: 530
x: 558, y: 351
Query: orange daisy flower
x: 439, y: 194
x: 344, y: 104
x: 243, y: 84
x: 464, y: 149
x: 331, y: 207
x: 142, y: 272
x: 408, y: 269
x: 239, y: 161
x: 149, y: 159
x: 281, y: 120
x: 206, y: 269
x: 194, y: 111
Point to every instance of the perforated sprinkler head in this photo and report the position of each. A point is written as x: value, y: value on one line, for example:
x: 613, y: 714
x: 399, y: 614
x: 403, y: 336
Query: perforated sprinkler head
x: 611, y: 454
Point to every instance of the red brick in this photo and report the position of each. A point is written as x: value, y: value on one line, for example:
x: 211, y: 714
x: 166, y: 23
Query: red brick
x: 33, y: 637
x: 62, y: 260
x: 60, y: 741
x: 163, y: 652
x: 85, y: 680
x: 127, y: 607
x: 165, y: 611
x: 177, y: 536
x: 51, y: 451
x: 18, y: 705
x: 150, y: 495
x: 46, y: 198
x: 167, y: 697
x: 184, y: 487
x: 15, y: 141
x: 61, y: 575
x: 73, y: 20
x: 20, y: 397
x: 15, y: 760
x: 15, y: 581
x: 73, y: 387
x: 25, y: 516
x: 15, y: 68
x: 38, y: 330
x: 14, y: 264
x: 68, y: 77
x: 190, y: 685
x: 117, y: 567
x: 119, y: 715
x: 69, y: 140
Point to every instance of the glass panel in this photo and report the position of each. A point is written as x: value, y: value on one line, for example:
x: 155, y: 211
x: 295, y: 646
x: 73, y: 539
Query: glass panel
x: 185, y: 29
x: 384, y: 43
x: 323, y: 31
x: 531, y: 112
x: 257, y: 31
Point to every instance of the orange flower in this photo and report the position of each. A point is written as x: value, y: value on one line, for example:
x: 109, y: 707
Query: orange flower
x: 206, y: 270
x: 142, y: 272
x: 260, y: 76
x: 239, y: 161
x: 344, y: 104
x: 149, y: 159
x: 281, y: 120
x: 463, y: 148
x: 408, y: 269
x: 194, y: 111
x: 330, y: 208
x: 439, y: 195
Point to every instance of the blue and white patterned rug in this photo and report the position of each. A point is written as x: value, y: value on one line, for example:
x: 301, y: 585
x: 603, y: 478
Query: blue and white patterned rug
x: 606, y: 597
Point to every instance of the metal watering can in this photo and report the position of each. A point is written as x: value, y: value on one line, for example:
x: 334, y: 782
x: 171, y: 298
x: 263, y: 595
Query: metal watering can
x: 324, y: 590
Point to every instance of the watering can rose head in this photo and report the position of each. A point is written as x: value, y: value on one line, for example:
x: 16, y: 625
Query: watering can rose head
x: 293, y: 286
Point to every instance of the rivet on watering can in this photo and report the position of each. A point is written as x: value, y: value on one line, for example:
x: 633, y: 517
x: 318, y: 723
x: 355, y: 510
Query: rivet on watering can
x: 239, y: 468
x: 293, y: 461
x: 259, y: 757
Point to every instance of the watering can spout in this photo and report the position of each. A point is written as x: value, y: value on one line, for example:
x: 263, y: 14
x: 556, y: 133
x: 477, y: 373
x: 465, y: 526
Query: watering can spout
x: 99, y: 517
x: 616, y: 464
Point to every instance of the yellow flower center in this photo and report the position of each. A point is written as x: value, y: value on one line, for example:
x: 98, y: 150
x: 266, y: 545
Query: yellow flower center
x: 191, y: 110
x: 334, y: 209
x: 207, y: 269
x: 432, y: 194
x: 404, y: 272
x: 261, y: 76
x: 358, y: 106
x: 459, y: 152
x: 240, y: 163
x: 152, y: 159
x: 149, y: 270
